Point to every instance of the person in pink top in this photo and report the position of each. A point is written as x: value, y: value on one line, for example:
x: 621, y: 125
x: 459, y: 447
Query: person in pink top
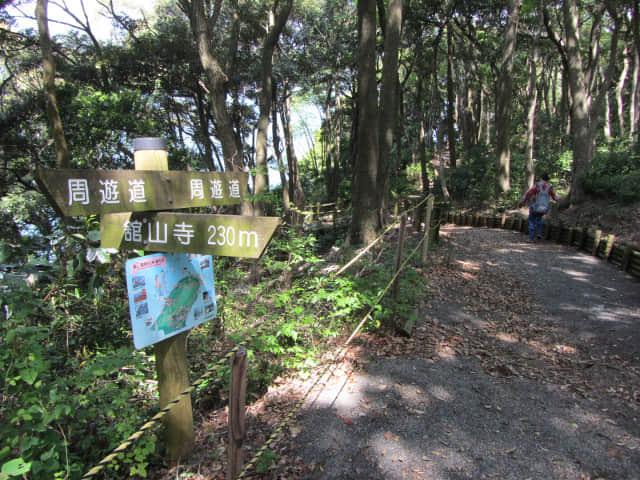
x: 539, y: 198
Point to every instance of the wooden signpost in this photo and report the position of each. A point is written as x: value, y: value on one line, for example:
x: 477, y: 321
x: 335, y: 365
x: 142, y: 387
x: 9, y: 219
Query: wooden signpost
x: 88, y: 192
x: 129, y: 202
x: 222, y: 235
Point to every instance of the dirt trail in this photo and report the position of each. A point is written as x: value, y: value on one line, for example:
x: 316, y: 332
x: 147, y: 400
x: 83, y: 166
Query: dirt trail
x: 525, y: 365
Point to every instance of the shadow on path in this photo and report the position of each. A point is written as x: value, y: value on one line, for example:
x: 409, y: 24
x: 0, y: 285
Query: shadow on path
x: 442, y: 413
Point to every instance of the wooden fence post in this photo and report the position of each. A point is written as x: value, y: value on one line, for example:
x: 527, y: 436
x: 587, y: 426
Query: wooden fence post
x: 237, y: 412
x: 396, y: 283
x: 427, y: 229
x: 626, y: 257
x: 611, y: 240
x: 171, y: 356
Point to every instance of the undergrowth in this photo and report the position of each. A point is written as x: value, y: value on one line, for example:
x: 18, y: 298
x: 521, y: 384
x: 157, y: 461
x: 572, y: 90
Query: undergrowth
x: 73, y: 388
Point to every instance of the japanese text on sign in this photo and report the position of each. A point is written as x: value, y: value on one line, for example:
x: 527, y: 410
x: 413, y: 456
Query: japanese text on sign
x: 83, y: 192
x: 226, y: 235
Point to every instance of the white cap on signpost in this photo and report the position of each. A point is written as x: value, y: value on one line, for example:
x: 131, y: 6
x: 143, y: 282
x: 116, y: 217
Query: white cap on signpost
x: 150, y: 153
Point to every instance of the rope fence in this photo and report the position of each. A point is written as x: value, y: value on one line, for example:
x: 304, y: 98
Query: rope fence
x: 116, y: 452
x: 334, y: 362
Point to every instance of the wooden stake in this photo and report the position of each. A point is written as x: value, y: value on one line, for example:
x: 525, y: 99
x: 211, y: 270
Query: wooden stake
x: 427, y: 229
x: 611, y: 240
x: 596, y: 242
x: 237, y: 412
x: 396, y: 283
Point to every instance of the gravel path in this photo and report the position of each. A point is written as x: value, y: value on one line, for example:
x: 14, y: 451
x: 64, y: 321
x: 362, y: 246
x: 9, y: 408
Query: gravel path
x: 525, y: 365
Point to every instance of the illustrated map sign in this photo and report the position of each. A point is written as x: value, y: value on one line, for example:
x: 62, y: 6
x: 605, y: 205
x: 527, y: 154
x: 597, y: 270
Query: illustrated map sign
x: 169, y: 294
x: 223, y: 235
x: 88, y: 192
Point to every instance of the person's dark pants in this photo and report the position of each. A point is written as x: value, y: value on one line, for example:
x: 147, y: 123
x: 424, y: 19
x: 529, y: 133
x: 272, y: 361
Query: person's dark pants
x: 535, y: 223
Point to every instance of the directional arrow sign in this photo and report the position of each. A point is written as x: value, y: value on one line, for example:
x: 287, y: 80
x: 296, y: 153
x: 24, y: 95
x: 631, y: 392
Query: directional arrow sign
x: 88, y: 192
x: 223, y: 235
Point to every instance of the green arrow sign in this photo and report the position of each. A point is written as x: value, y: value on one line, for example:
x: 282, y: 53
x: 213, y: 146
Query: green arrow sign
x: 223, y: 235
x: 87, y: 192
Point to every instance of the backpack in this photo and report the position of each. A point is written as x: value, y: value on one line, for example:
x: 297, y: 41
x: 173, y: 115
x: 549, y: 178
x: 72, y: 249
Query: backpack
x: 541, y: 205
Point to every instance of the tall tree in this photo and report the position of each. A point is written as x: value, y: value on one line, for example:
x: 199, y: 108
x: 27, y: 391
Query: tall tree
x: 217, y: 79
x: 49, y: 80
x: 364, y: 194
x: 532, y: 96
x: 587, y: 95
x: 277, y: 21
x: 451, y: 103
x: 296, y: 193
x: 389, y: 95
x: 504, y: 98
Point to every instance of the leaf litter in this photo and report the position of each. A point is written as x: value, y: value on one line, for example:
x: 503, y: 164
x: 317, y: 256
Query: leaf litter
x: 480, y: 310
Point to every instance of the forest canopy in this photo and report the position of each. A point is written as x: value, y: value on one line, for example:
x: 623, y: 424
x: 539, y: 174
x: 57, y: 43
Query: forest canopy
x: 501, y: 89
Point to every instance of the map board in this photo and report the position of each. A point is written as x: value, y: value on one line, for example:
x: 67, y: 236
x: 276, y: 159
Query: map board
x: 169, y: 294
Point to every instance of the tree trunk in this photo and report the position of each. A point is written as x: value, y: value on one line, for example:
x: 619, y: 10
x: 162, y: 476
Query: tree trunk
x: 204, y: 131
x: 421, y: 146
x: 503, y: 99
x: 364, y: 195
x: 635, y: 88
x: 296, y: 194
x: 532, y: 94
x: 216, y: 82
x: 276, y: 25
x: 451, y: 129
x: 49, y: 80
x: 586, y: 106
x: 583, y: 143
x: 389, y: 97
x: 278, y: 153
x: 334, y: 182
x: 622, y: 79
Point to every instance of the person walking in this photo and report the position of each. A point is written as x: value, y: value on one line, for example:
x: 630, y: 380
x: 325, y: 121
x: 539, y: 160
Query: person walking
x: 539, y: 198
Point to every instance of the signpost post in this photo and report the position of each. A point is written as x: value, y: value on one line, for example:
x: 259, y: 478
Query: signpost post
x: 130, y: 203
x: 171, y: 354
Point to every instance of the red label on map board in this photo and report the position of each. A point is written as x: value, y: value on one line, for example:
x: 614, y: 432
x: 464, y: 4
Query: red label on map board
x: 145, y: 263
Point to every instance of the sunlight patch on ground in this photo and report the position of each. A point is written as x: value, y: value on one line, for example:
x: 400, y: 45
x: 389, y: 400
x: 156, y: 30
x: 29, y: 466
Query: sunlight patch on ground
x: 394, y: 454
x: 441, y: 393
x: 566, y: 349
x: 582, y: 258
x: 507, y: 337
x: 445, y: 352
x: 576, y: 273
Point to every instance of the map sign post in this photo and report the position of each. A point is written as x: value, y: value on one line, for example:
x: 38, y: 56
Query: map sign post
x: 172, y: 291
x: 171, y: 354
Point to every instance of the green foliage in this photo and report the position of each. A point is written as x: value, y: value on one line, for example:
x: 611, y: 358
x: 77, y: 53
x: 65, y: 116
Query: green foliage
x: 615, y: 174
x: 72, y: 388
x: 473, y: 180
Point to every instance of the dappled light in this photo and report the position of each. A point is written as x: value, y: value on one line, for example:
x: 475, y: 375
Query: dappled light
x: 319, y: 240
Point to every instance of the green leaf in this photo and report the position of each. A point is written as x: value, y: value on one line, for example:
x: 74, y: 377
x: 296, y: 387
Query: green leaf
x: 16, y: 467
x: 94, y: 235
x: 29, y: 375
